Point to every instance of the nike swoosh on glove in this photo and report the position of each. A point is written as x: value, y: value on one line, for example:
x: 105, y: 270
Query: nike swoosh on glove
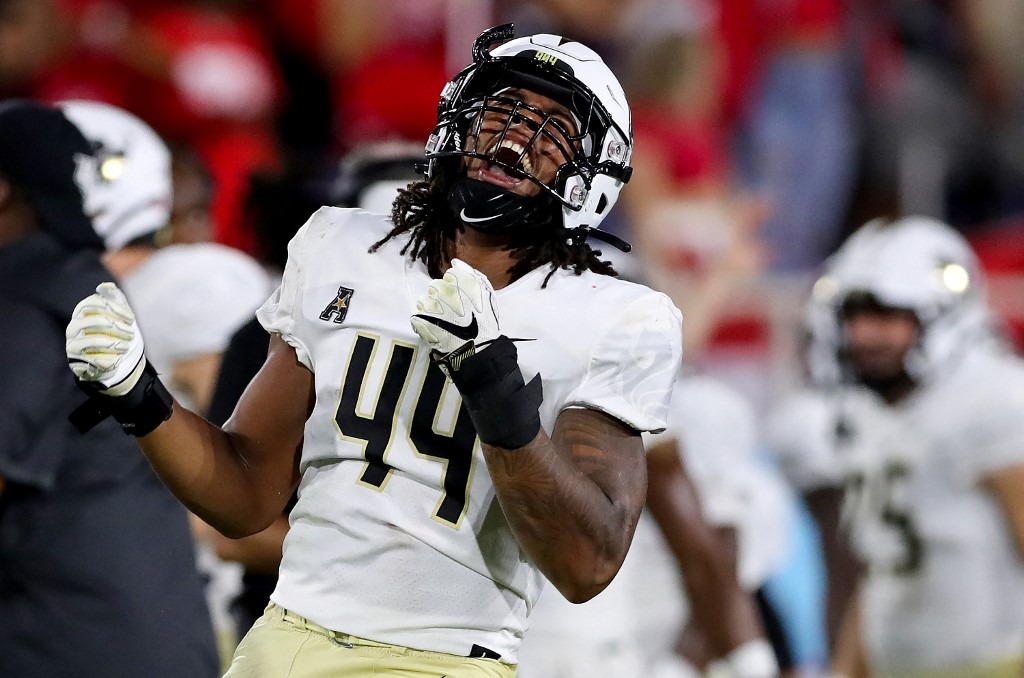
x: 457, y: 315
x: 103, y: 344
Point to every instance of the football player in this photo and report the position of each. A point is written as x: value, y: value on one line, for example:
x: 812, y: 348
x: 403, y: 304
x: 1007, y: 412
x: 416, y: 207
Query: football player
x: 714, y: 524
x: 458, y: 391
x: 932, y: 449
x: 740, y: 527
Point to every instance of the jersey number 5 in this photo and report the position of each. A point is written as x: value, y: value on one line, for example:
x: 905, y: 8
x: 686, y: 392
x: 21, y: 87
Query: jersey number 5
x: 877, y: 497
x: 376, y: 430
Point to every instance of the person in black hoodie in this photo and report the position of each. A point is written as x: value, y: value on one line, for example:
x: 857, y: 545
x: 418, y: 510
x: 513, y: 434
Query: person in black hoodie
x: 97, y: 568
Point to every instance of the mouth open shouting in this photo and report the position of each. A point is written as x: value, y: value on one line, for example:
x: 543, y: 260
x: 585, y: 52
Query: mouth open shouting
x: 511, y: 167
x: 523, y: 149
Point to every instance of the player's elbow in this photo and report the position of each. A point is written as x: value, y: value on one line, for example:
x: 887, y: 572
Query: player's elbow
x: 581, y: 594
x: 578, y: 585
x: 238, y: 524
x: 236, y: 530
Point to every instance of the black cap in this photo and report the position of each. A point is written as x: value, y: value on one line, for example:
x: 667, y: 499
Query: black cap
x: 40, y: 152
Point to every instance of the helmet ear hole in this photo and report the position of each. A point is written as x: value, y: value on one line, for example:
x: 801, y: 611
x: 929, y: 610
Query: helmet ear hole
x: 602, y: 204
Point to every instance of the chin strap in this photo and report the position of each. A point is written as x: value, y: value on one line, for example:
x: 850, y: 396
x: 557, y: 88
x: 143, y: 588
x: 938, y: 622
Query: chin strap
x: 615, y: 241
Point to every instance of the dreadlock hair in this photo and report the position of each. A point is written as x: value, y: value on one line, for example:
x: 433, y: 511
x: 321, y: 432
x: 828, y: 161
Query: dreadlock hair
x: 422, y: 212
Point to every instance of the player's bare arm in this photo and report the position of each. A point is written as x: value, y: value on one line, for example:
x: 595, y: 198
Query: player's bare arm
x: 824, y: 505
x: 237, y: 479
x: 1007, y: 484
x: 849, y: 659
x: 260, y: 552
x: 573, y: 499
x: 723, y: 610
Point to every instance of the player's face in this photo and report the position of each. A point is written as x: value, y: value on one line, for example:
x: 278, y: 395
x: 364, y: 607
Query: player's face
x: 878, y: 339
x: 543, y: 156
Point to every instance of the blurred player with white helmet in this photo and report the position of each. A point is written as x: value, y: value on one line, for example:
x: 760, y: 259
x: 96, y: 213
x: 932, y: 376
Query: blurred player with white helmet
x: 458, y: 391
x: 190, y: 298
x: 931, y: 445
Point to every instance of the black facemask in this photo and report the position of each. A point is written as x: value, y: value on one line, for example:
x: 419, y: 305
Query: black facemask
x: 488, y: 208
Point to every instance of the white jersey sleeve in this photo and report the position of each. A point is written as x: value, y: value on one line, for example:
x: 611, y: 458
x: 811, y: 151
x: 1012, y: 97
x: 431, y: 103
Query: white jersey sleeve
x: 717, y: 431
x: 282, y: 313
x: 634, y: 364
x: 997, y: 420
x: 801, y: 433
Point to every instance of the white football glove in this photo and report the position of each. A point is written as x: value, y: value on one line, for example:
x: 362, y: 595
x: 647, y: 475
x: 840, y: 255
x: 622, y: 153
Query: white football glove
x: 104, y: 346
x: 457, y: 314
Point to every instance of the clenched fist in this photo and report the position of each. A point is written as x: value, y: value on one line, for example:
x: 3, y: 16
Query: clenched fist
x: 457, y: 315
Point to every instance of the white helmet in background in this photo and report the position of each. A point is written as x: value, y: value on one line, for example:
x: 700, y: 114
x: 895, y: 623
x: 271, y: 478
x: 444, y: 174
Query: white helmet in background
x: 370, y: 176
x: 131, y: 195
x: 588, y: 184
x: 917, y: 264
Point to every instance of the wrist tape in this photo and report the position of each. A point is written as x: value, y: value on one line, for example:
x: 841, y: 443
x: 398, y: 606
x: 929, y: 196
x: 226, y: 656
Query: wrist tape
x: 505, y: 409
x: 139, y: 411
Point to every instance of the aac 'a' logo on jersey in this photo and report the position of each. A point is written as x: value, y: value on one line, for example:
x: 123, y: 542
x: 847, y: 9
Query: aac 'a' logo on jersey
x: 338, y: 309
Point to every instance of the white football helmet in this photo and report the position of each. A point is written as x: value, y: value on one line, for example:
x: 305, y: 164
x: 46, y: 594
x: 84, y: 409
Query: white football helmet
x: 371, y: 176
x: 915, y: 263
x: 131, y: 195
x: 587, y: 186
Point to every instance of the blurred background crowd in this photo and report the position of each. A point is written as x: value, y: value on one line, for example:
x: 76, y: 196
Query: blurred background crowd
x: 765, y: 132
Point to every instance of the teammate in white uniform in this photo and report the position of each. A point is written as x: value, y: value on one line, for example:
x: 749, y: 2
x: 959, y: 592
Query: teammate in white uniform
x: 703, y: 478
x: 933, y: 454
x: 713, y: 432
x: 443, y: 469
x: 715, y: 429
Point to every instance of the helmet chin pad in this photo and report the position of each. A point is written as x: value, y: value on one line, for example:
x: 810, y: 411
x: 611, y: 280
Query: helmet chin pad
x: 487, y: 208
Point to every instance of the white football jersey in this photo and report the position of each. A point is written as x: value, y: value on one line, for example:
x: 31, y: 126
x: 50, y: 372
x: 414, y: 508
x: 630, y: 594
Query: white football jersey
x: 634, y: 623
x: 945, y: 583
x: 718, y: 435
x: 802, y: 432
x: 396, y: 535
